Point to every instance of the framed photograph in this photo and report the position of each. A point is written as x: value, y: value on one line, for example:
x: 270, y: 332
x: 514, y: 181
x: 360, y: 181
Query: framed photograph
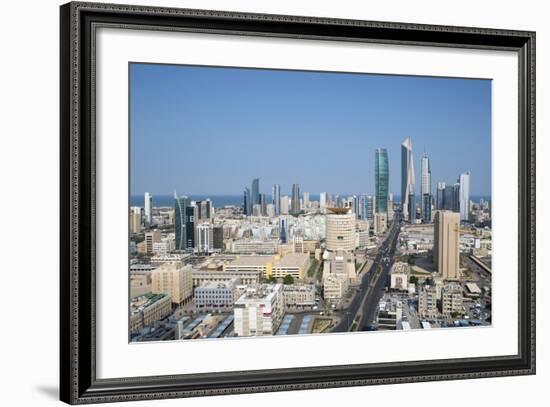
x: 255, y: 203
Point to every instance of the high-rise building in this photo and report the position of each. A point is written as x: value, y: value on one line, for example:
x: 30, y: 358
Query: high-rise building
x: 390, y: 207
x: 247, y: 202
x: 205, y: 211
x: 135, y: 219
x: 411, y: 210
x: 190, y: 213
x: 263, y: 204
x: 381, y: 179
x: 370, y: 207
x: 180, y: 227
x: 446, y: 244
x: 148, y: 209
x: 306, y: 200
x: 173, y: 279
x: 151, y: 238
x: 440, y: 196
x: 295, y: 204
x: 355, y: 206
x: 407, y: 178
x: 282, y: 230
x: 285, y: 205
x: 464, y: 199
x: 276, y: 198
x: 380, y: 223
x: 323, y: 201
x: 204, y: 238
x: 255, y: 191
x: 426, y: 189
x: 218, y: 237
x: 451, y: 201
x: 340, y: 230
x: 426, y: 208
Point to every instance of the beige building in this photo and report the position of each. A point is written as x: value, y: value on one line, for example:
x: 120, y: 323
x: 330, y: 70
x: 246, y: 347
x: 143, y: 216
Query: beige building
x: 147, y: 309
x: 340, y: 230
x: 254, y: 264
x: 380, y: 223
x: 135, y: 220
x: 259, y: 311
x: 295, y: 264
x: 175, y: 280
x: 254, y: 246
x: 446, y: 244
x: 427, y: 302
x: 150, y: 239
x: 338, y: 272
x: 451, y: 300
x: 140, y: 283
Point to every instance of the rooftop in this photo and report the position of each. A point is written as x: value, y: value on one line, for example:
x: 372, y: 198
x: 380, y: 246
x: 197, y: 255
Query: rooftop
x: 292, y: 260
x: 251, y: 261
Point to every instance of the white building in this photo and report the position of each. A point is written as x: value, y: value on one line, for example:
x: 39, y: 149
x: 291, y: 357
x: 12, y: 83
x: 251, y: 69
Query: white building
x: 148, y: 208
x: 216, y: 296
x: 165, y: 246
x: 464, y: 195
x: 254, y: 246
x: 380, y: 223
x: 400, y: 276
x: 340, y: 230
x: 299, y: 295
x: 259, y: 311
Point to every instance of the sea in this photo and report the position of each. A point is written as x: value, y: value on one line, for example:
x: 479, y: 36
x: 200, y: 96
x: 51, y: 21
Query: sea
x: 219, y: 201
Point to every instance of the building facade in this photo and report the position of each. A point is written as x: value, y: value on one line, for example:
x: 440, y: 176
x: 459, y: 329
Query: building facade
x: 381, y: 179
x: 259, y: 311
x: 340, y: 230
x: 407, y: 177
x: 446, y: 244
x: 173, y: 279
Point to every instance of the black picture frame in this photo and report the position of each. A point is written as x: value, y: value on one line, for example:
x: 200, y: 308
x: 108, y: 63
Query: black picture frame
x: 78, y: 382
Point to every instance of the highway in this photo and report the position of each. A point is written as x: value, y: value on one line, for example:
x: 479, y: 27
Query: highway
x: 371, y: 288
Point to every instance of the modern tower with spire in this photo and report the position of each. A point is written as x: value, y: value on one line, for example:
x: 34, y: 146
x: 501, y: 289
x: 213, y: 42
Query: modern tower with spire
x: 408, y: 203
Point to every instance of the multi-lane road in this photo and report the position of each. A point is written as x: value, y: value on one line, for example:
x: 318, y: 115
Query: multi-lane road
x: 372, y: 284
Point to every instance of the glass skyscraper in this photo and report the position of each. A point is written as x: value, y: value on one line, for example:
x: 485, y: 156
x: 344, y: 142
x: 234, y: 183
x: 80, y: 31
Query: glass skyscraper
x: 407, y: 179
x: 381, y: 179
x: 255, y: 191
x: 180, y: 227
x: 276, y: 198
x: 295, y: 203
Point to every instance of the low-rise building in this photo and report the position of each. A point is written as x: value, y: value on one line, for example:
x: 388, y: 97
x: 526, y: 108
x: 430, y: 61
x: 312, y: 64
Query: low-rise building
x: 259, y: 311
x: 451, y: 300
x: 299, y: 295
x: 294, y: 264
x: 427, y: 302
x: 400, y: 276
x: 390, y: 314
x: 147, y: 309
x: 254, y: 246
x: 216, y: 296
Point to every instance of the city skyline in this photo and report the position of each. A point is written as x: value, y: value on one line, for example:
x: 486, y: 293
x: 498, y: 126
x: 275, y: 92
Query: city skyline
x: 161, y: 152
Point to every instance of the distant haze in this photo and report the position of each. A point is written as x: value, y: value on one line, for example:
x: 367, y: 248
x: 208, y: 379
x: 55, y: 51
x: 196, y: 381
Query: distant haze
x: 210, y: 131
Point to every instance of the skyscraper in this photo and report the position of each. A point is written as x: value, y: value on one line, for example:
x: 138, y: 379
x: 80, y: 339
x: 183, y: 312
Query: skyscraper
x: 255, y: 191
x: 323, y: 201
x: 190, y: 214
x: 446, y: 244
x: 247, y: 202
x: 180, y: 228
x: 282, y: 230
x: 381, y: 179
x: 407, y: 178
x: 464, y: 196
x: 426, y: 189
x: 263, y: 204
x: 276, y: 198
x: 440, y: 196
x: 148, y: 209
x: 306, y: 200
x: 295, y: 204
x: 370, y: 207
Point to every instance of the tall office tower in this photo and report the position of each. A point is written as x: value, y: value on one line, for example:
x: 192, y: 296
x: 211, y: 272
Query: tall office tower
x: 407, y: 178
x: 285, y: 205
x: 255, y: 191
x: 180, y: 228
x: 381, y: 179
x: 446, y: 244
x: 426, y: 189
x: 218, y: 237
x: 371, y: 204
x: 330, y: 200
x: 340, y: 230
x: 362, y: 206
x: 173, y: 279
x: 148, y: 209
x: 390, y: 207
x: 204, y: 211
x: 411, y: 210
x: 276, y: 198
x: 426, y: 208
x: 464, y: 199
x: 295, y: 204
x: 323, y: 201
x: 282, y: 230
x: 355, y: 206
x: 247, y: 203
x: 306, y: 200
x: 190, y: 213
x: 440, y: 196
x: 263, y: 204
x: 204, y: 238
x: 452, y: 198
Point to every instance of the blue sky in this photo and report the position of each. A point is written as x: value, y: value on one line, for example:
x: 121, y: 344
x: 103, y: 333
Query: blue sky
x: 210, y: 131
